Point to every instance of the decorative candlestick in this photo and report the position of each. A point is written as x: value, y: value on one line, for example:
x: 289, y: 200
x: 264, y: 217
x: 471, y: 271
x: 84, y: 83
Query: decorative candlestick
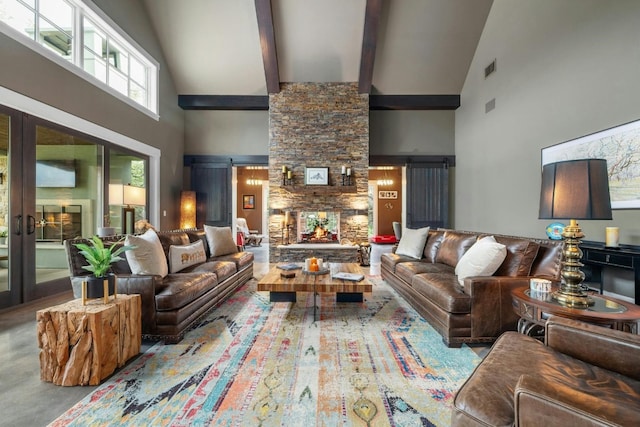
x: 348, y: 176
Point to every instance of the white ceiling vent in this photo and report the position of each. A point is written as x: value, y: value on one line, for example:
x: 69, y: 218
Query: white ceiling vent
x: 490, y: 69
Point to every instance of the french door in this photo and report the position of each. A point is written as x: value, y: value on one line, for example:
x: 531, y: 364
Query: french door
x: 55, y: 185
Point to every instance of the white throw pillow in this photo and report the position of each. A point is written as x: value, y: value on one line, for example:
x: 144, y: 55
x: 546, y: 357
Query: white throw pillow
x: 482, y: 259
x: 220, y: 240
x: 183, y: 256
x: 412, y: 242
x: 148, y: 256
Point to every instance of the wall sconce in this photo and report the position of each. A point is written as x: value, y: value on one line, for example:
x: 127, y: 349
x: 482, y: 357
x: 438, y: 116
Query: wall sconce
x: 287, y: 176
x: 346, y: 175
x: 136, y: 196
x: 187, y: 209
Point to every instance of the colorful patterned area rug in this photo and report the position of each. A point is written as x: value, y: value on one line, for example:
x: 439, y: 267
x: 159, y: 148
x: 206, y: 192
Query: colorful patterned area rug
x: 256, y: 363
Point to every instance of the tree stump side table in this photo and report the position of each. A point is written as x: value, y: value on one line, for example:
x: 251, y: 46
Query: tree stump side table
x: 83, y: 344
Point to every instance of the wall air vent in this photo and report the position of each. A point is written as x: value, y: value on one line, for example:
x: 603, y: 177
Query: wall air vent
x: 489, y: 105
x: 490, y: 69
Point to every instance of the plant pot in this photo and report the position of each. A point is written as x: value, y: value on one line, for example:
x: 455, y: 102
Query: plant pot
x: 106, y: 231
x: 95, y: 285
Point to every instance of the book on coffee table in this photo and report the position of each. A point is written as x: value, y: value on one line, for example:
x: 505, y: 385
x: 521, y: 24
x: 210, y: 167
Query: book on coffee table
x: 289, y: 266
x: 354, y: 277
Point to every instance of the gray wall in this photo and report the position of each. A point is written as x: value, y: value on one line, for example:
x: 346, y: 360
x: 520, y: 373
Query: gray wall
x: 564, y: 69
x: 227, y: 133
x: 391, y: 132
x: 34, y: 76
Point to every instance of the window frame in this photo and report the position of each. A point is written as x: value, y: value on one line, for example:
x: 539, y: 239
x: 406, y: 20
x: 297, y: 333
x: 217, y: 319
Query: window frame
x: 75, y: 64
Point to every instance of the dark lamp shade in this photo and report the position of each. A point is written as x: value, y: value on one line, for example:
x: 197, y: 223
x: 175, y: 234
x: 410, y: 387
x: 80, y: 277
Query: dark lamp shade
x: 575, y: 189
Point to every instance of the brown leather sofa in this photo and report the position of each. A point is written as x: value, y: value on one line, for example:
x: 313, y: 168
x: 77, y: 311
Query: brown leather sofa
x: 583, y: 375
x: 482, y: 309
x: 173, y: 304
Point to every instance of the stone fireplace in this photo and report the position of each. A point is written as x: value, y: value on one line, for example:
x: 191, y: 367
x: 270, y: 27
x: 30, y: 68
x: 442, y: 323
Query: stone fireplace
x: 317, y: 125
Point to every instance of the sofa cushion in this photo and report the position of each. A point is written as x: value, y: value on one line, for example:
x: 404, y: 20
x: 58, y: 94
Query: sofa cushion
x: 548, y: 261
x: 172, y: 238
x: 443, y: 290
x: 183, y: 256
x: 241, y: 259
x: 198, y: 234
x: 482, y: 259
x: 178, y: 290
x: 453, y: 246
x: 222, y: 269
x: 433, y: 244
x: 148, y: 256
x: 412, y: 242
x: 406, y: 270
x: 520, y: 256
x: 220, y: 240
x: 391, y: 260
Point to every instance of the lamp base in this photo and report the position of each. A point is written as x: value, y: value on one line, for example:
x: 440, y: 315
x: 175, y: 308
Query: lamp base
x: 571, y: 293
x: 580, y: 300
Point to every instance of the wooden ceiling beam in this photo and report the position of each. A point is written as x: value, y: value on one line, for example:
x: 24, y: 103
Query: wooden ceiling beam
x: 369, y: 43
x: 261, y: 102
x: 224, y: 102
x: 268, y: 45
x: 414, y: 102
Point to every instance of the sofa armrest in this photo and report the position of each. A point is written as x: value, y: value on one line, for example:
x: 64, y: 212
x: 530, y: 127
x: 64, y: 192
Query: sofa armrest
x: 146, y: 287
x: 607, y: 348
x: 491, y: 304
x: 539, y: 400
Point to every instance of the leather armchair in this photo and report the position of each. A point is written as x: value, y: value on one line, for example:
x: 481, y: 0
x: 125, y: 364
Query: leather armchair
x: 583, y: 375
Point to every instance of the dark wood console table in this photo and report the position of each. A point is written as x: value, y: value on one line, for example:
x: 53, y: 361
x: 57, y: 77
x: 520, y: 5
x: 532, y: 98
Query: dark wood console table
x: 595, y: 256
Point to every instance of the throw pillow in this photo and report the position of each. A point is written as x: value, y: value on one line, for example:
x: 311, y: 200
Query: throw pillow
x: 183, y: 256
x: 482, y: 259
x: 220, y: 240
x: 412, y: 242
x: 148, y: 256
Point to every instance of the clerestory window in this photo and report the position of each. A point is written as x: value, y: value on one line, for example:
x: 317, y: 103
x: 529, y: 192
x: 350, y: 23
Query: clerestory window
x: 83, y: 39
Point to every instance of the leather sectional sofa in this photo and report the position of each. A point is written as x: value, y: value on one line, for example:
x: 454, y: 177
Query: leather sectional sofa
x: 583, y: 375
x: 480, y: 309
x: 172, y: 304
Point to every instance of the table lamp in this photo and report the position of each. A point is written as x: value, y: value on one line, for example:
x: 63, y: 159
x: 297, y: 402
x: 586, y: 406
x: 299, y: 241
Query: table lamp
x: 574, y: 190
x: 131, y: 196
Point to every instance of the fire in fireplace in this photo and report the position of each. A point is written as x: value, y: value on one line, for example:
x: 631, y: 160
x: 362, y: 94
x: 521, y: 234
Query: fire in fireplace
x: 318, y: 227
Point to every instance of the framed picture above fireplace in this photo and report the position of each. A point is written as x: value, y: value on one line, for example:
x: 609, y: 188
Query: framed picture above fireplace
x: 316, y: 176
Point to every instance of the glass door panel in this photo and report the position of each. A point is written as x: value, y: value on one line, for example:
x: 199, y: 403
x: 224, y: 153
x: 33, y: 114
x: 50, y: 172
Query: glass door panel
x: 5, y: 288
x: 67, y: 197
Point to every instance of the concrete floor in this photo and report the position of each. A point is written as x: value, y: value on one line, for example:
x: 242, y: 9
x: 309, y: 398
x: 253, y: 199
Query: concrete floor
x: 27, y: 401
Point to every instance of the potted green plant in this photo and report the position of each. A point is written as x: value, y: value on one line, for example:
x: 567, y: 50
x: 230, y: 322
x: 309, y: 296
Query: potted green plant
x: 3, y: 236
x: 100, y: 258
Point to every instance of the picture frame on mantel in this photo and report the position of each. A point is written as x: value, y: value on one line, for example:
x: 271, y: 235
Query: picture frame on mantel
x: 616, y: 145
x: 316, y: 176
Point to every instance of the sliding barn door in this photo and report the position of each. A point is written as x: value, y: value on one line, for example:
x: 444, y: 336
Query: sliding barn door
x: 427, y: 195
x: 212, y: 184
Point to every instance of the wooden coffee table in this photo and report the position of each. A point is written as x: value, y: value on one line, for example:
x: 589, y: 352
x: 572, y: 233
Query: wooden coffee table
x: 284, y: 289
x: 534, y: 308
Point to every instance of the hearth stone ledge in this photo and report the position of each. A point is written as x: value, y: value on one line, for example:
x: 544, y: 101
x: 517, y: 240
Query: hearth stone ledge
x: 330, y: 252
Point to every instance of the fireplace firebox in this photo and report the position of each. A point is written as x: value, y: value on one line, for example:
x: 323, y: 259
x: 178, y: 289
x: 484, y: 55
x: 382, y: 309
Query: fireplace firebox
x: 318, y: 227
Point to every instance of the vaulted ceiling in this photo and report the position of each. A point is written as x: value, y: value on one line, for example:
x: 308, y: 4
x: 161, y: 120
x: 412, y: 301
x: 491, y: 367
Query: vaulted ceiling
x: 391, y: 47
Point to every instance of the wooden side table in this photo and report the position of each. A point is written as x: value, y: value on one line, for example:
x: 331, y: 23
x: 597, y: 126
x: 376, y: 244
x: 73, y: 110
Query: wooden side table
x: 534, y: 308
x: 83, y: 344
